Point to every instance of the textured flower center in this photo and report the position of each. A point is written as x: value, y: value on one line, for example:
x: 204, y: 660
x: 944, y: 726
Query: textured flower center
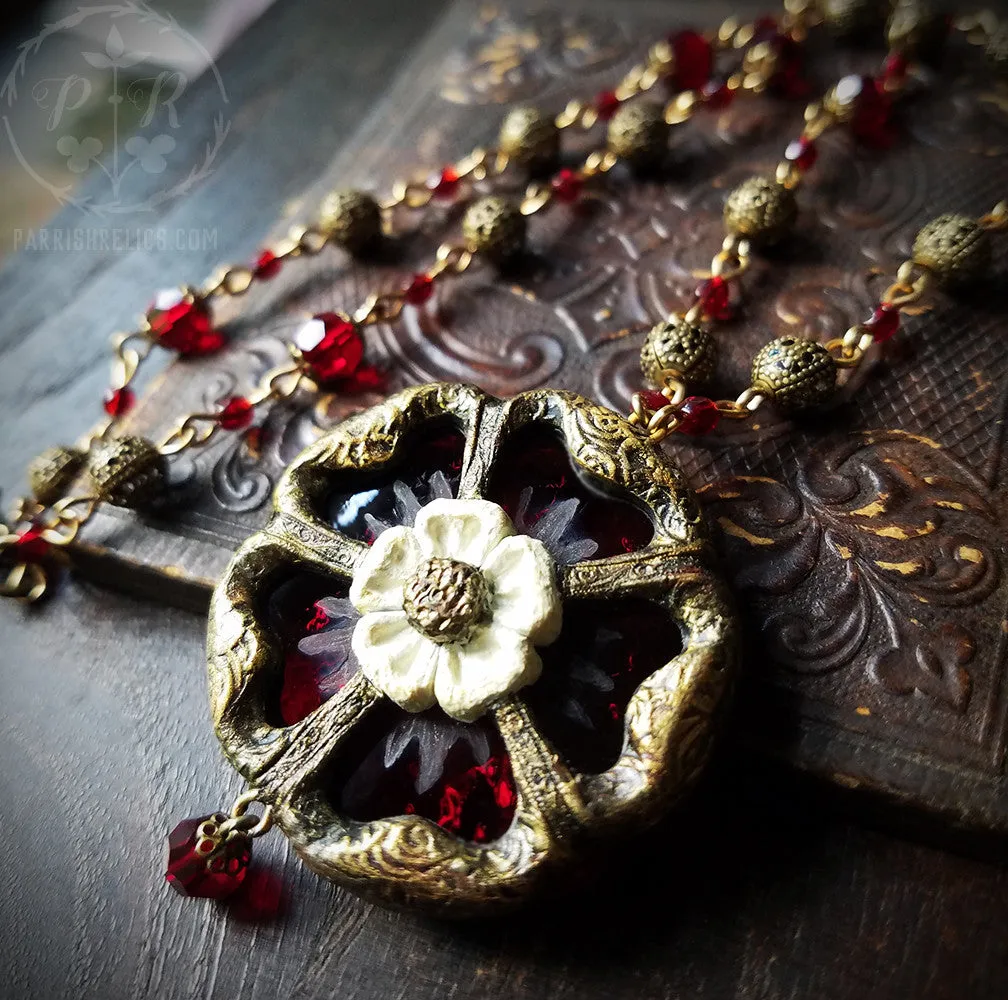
x: 446, y: 600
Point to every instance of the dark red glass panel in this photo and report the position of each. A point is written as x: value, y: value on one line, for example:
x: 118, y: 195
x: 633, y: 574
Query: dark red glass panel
x: 534, y: 481
x: 313, y: 619
x: 428, y: 465
x: 458, y: 775
x: 590, y: 673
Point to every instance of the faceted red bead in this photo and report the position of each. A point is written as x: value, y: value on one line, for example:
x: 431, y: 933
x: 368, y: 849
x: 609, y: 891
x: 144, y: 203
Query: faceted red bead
x: 714, y: 297
x: 267, y: 265
x: 419, y: 290
x: 567, y: 185
x: 802, y: 153
x: 445, y: 184
x: 331, y: 347
x: 883, y: 322
x: 118, y: 401
x: 694, y: 60
x: 698, y: 415
x: 30, y: 545
x: 606, y: 104
x: 653, y: 399
x: 183, y: 324
x: 871, y: 118
x: 188, y: 871
x: 895, y: 69
x: 717, y: 94
x: 237, y: 413
x: 788, y: 78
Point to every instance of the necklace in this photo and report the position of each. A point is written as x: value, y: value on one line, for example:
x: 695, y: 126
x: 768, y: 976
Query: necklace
x: 332, y: 349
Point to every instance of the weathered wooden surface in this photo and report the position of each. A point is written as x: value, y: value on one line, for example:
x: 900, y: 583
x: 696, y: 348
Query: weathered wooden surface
x: 756, y: 891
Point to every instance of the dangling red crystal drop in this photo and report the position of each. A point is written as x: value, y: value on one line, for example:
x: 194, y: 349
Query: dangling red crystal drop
x: 653, y: 399
x: 181, y: 322
x: 331, y: 347
x: 566, y: 185
x: 419, y: 290
x: 190, y: 874
x: 444, y: 184
x: 698, y: 415
x: 871, y: 115
x: 713, y: 294
x: 802, y: 153
x: 694, y: 60
x: 267, y: 265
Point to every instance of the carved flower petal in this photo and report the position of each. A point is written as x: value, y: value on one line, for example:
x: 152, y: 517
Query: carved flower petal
x: 526, y: 598
x: 379, y: 579
x: 396, y: 658
x: 466, y: 530
x: 497, y: 661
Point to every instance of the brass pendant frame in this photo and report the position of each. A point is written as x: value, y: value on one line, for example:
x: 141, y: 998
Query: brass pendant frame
x: 668, y: 725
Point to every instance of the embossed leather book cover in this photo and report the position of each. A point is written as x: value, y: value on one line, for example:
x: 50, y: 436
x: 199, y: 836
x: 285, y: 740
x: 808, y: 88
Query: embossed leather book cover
x: 865, y: 546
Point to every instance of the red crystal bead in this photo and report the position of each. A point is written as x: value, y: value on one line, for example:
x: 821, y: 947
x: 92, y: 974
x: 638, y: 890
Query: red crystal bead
x: 788, y: 78
x: 694, y: 60
x: 30, y: 545
x: 567, y: 185
x: 653, y: 399
x: 717, y: 95
x: 182, y: 323
x: 698, y: 415
x: 190, y: 874
x: 802, y: 153
x: 445, y: 184
x: 237, y: 413
x: 267, y: 265
x: 606, y: 104
x: 714, y: 297
x: 883, y: 322
x: 118, y: 401
x: 331, y: 347
x: 419, y: 290
x: 895, y: 69
x: 870, y: 120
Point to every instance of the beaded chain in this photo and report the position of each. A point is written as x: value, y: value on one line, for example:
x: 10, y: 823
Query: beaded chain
x: 327, y: 352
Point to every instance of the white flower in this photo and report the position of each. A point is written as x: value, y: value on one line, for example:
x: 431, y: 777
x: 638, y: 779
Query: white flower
x: 453, y: 607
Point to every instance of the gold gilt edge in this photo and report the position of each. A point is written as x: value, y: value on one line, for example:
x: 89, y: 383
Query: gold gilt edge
x: 669, y: 722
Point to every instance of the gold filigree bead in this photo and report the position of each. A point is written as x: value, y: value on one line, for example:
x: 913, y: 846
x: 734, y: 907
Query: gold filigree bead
x: 530, y: 138
x: 446, y: 600
x: 127, y: 471
x: 51, y: 473
x: 853, y: 19
x: 684, y: 347
x: 954, y: 248
x: 638, y: 133
x: 494, y: 226
x: 352, y: 219
x: 761, y: 210
x: 996, y: 50
x: 917, y: 30
x: 797, y: 374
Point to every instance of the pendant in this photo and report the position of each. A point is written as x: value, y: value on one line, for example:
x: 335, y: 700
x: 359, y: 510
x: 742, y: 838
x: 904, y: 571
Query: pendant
x: 477, y: 637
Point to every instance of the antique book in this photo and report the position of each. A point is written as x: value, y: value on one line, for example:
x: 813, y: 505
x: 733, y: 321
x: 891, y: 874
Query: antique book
x: 864, y: 546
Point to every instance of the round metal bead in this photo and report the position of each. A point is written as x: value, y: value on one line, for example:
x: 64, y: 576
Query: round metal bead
x: 494, y: 226
x: 686, y: 348
x: 351, y: 218
x: 638, y: 133
x: 797, y: 374
x: 127, y: 471
x: 917, y: 30
x: 954, y: 248
x: 530, y: 138
x: 761, y: 210
x: 51, y: 473
x: 996, y: 51
x: 853, y: 19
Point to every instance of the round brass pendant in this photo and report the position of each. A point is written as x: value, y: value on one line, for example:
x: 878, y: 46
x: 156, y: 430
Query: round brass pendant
x: 560, y: 809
